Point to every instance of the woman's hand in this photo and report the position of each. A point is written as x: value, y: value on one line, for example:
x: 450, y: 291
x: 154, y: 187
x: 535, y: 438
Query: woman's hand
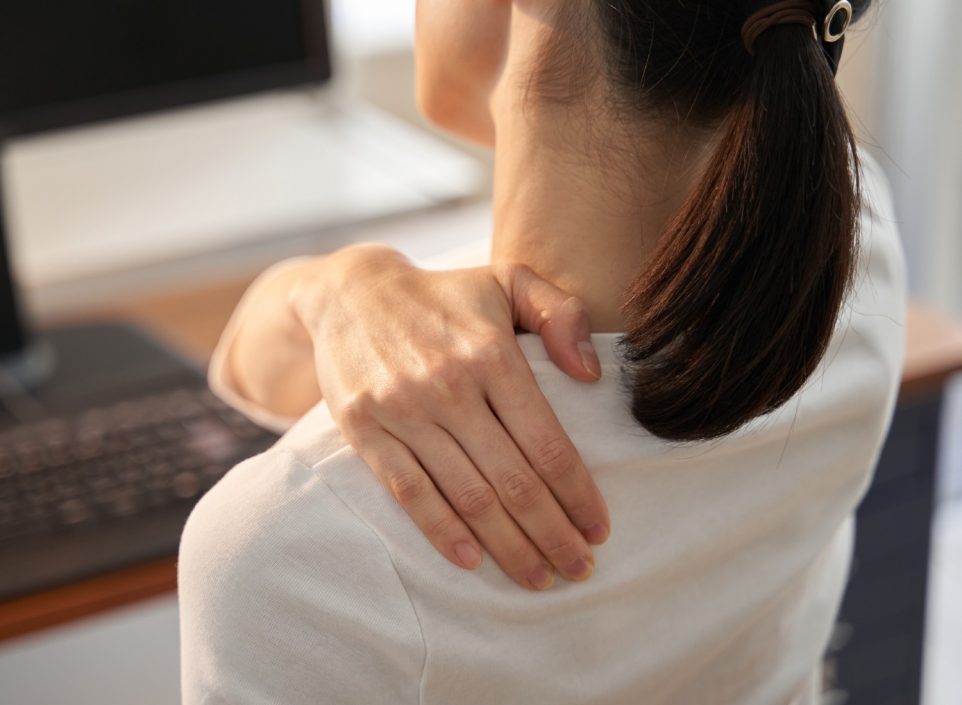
x: 423, y: 374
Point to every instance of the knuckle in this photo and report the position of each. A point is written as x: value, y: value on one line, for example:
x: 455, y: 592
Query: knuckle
x: 447, y: 384
x: 443, y: 526
x: 522, y: 556
x: 582, y: 508
x: 356, y: 411
x: 395, y: 400
x: 475, y: 500
x: 408, y: 487
x: 575, y: 307
x: 491, y: 355
x: 512, y: 270
x: 560, y: 552
x: 522, y: 489
x: 555, y: 460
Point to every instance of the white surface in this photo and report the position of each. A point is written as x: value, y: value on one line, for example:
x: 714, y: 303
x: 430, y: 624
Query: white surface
x: 900, y: 76
x: 920, y: 115
x: 127, y: 657
x: 121, y: 195
x: 370, y: 26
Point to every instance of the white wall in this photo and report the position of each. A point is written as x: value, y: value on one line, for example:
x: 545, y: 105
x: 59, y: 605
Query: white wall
x: 373, y: 25
x: 903, y: 80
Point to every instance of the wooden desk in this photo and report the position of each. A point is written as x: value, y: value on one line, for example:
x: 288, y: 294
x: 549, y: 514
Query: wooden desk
x: 192, y: 320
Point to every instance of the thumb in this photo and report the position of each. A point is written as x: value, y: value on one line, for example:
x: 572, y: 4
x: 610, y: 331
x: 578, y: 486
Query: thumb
x: 559, y: 318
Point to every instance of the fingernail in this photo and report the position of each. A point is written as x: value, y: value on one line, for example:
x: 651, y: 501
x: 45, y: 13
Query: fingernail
x: 596, y: 533
x: 469, y: 556
x: 540, y: 578
x: 589, y: 358
x: 579, y: 569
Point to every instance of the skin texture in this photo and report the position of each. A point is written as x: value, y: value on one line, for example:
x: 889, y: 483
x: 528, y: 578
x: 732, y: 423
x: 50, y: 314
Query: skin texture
x: 454, y: 413
x: 581, y: 194
x: 421, y: 370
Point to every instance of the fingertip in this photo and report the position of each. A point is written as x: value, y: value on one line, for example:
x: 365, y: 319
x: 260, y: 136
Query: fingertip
x: 569, y: 361
x: 541, y: 578
x: 596, y: 534
x: 567, y: 355
x: 568, y: 341
x: 469, y: 555
x: 580, y: 570
x: 589, y: 359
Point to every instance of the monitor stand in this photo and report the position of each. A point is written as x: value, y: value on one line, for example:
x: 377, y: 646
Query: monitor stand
x: 66, y: 370
x: 24, y: 362
x: 92, y: 365
x: 26, y: 368
x: 13, y: 337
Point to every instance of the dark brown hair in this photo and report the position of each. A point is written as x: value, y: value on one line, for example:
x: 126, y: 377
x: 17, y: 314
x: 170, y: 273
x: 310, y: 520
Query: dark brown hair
x: 741, y: 297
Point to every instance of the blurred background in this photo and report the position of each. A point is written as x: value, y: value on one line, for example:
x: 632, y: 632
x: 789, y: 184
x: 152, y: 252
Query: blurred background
x: 110, y: 218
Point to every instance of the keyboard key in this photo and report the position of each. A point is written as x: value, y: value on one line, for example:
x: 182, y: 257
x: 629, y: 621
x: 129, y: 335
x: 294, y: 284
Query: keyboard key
x: 186, y: 485
x: 119, y: 461
x: 75, y: 511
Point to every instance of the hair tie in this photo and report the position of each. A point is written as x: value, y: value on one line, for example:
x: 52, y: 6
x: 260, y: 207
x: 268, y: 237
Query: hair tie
x: 777, y: 13
x: 835, y: 18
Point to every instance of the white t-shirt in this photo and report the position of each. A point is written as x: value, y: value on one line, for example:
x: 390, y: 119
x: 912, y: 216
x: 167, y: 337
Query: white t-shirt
x: 303, y: 582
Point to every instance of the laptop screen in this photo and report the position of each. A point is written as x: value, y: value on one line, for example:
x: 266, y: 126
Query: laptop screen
x: 64, y: 62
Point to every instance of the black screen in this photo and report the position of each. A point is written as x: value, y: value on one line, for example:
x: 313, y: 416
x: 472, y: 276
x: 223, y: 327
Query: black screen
x: 68, y: 62
x: 12, y: 334
x: 63, y: 62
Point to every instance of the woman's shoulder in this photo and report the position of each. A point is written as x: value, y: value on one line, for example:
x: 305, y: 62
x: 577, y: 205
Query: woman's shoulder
x: 883, y: 257
x: 282, y: 492
x: 874, y: 318
x: 261, y: 515
x: 272, y: 558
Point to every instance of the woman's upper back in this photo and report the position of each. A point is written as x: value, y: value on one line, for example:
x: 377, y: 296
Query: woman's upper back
x: 303, y: 581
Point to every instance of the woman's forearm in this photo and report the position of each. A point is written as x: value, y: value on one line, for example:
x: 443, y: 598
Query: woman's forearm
x: 270, y: 361
x: 270, y: 356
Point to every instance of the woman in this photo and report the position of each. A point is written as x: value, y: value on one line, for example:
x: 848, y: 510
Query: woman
x: 704, y: 148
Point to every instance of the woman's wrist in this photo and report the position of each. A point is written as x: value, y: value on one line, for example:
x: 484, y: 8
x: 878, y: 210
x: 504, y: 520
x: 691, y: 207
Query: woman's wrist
x: 269, y: 358
x: 316, y: 285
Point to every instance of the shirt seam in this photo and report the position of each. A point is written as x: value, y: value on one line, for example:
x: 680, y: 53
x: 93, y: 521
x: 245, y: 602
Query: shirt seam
x: 367, y: 525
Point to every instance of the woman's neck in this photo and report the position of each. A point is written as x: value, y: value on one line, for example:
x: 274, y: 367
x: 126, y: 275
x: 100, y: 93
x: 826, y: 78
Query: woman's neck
x: 576, y: 197
x: 588, y: 226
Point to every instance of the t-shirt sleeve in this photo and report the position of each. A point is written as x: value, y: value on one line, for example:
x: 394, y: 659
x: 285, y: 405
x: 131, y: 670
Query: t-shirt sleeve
x: 219, y: 376
x: 286, y: 596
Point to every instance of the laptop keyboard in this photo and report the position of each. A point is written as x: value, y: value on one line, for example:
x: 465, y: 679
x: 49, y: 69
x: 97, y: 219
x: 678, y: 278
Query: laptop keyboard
x: 114, y: 464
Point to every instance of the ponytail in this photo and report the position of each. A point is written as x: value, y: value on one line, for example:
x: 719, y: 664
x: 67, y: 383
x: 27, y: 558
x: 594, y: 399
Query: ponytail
x: 739, y: 303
